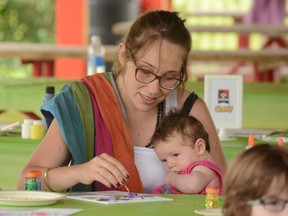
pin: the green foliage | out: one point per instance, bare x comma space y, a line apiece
24, 21
27, 20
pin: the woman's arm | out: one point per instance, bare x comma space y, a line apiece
53, 154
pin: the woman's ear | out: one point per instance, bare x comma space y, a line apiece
122, 53
200, 146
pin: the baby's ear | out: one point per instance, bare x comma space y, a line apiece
122, 53
200, 146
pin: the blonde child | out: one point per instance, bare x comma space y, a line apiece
256, 183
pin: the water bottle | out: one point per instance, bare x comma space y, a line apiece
49, 94
96, 54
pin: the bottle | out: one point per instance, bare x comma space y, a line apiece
37, 129
30, 181
49, 94
38, 175
26, 128
212, 198
96, 55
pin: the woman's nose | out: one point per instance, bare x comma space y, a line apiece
154, 86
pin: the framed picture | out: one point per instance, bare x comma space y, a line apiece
223, 95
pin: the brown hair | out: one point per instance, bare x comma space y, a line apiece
250, 176
152, 26
188, 126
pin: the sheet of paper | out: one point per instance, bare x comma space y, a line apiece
42, 212
116, 197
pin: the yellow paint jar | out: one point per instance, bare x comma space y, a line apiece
37, 129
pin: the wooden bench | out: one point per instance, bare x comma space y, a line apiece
42, 56
49, 52
121, 28
34, 51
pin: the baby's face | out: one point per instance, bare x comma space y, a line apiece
175, 154
274, 200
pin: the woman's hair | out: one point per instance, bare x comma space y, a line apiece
187, 126
251, 174
152, 26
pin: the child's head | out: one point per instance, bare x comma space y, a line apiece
179, 140
257, 175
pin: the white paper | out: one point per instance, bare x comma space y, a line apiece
116, 197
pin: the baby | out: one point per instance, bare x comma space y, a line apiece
181, 143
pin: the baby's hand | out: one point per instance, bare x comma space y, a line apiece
169, 177
166, 189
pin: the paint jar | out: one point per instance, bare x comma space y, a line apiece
26, 128
30, 181
212, 198
38, 174
37, 129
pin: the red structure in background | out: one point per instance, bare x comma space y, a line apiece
155, 4
71, 23
71, 28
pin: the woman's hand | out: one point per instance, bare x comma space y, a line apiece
104, 169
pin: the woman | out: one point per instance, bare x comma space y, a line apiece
98, 123
256, 183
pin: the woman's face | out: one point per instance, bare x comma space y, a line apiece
163, 57
272, 197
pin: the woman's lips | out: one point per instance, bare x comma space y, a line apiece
148, 100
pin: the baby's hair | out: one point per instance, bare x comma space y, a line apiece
188, 127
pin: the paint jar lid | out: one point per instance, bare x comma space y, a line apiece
212, 190
28, 121
37, 122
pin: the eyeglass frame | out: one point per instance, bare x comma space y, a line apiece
155, 76
267, 202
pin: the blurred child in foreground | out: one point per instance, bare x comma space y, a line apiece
257, 182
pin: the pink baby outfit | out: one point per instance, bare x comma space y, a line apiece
188, 170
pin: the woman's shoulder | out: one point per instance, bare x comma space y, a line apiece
183, 97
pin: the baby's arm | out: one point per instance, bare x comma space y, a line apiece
194, 182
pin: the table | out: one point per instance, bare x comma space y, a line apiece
273, 32
181, 205
42, 56
15, 152
45, 54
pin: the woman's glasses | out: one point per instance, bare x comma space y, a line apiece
168, 81
273, 205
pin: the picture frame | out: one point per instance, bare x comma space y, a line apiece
223, 95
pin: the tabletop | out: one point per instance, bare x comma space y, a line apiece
181, 205
15, 151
